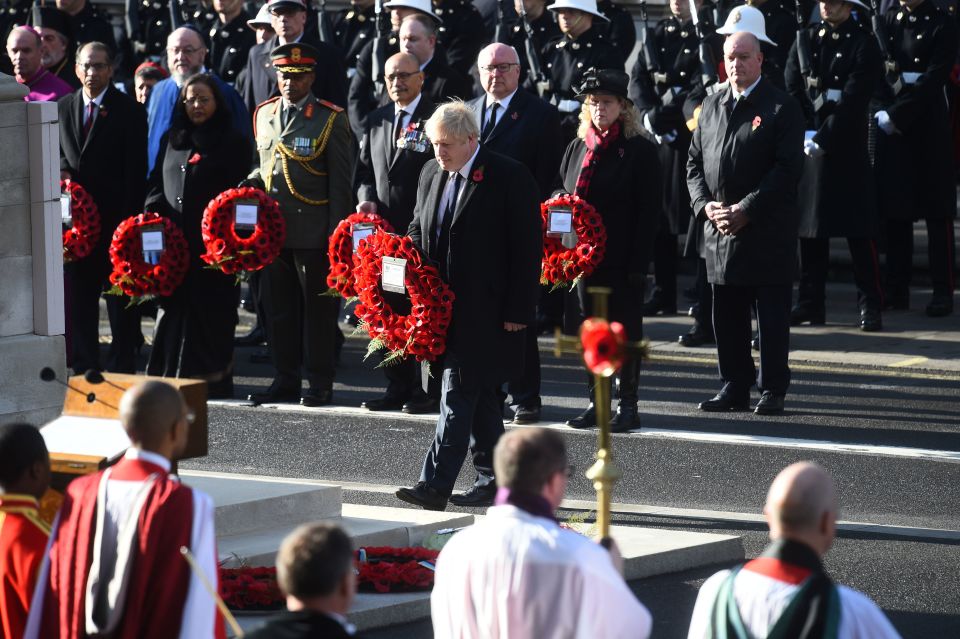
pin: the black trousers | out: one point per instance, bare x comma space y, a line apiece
732, 306
301, 322
665, 260
941, 252
814, 259
524, 389
470, 418
704, 314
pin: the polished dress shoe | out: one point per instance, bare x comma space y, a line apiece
526, 415
770, 404
387, 402
277, 393
806, 315
421, 406
940, 305
586, 419
697, 336
255, 337
423, 495
315, 397
659, 303
477, 496
723, 402
626, 419
871, 320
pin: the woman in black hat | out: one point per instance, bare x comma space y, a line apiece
614, 168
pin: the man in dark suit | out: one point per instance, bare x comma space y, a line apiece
478, 218
392, 153
745, 162
103, 147
259, 80
418, 36
527, 129
315, 572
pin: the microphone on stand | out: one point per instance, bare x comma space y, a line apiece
94, 377
47, 374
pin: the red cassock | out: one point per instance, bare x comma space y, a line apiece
133, 581
23, 538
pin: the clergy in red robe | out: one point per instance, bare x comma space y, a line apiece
114, 566
24, 477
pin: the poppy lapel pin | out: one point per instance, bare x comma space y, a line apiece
514, 115
194, 159
477, 175
756, 123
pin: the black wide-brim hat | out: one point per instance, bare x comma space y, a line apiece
609, 81
52, 18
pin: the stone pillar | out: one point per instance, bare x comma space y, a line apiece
31, 258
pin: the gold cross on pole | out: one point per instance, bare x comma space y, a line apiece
604, 472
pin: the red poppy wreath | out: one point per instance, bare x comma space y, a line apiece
84, 232
135, 277
421, 334
385, 569
228, 251
564, 266
340, 251
251, 589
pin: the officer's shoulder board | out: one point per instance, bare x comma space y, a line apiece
256, 111
331, 105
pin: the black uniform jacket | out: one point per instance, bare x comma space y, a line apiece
752, 156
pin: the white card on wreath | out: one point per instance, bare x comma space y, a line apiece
245, 214
152, 240
359, 231
66, 213
559, 221
393, 274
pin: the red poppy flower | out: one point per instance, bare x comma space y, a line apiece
194, 159
603, 343
477, 175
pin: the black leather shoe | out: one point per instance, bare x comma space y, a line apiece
255, 337
317, 397
694, 310
659, 304
526, 415
806, 315
421, 406
477, 496
696, 337
423, 495
586, 419
770, 404
940, 306
626, 419
387, 402
723, 402
276, 393
871, 320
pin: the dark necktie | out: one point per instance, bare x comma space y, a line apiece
88, 122
491, 122
443, 241
398, 125
289, 113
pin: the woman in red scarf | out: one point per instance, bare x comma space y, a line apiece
615, 169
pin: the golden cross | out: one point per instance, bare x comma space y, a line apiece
604, 472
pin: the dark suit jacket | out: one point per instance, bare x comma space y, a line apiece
301, 625
112, 163
259, 79
388, 175
754, 157
493, 262
528, 132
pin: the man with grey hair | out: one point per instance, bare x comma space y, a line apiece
517, 573
477, 217
786, 592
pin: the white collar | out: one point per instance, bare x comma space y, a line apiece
424, 65
299, 105
465, 169
410, 108
147, 456
348, 627
503, 102
746, 92
97, 100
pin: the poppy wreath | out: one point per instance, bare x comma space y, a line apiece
134, 277
421, 334
251, 589
386, 569
228, 251
562, 266
79, 240
340, 251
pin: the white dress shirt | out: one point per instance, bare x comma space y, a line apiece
448, 188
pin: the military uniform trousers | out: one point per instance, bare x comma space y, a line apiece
941, 253
814, 258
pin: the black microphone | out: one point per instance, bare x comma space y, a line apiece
47, 374
94, 377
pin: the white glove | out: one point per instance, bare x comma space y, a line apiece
885, 123
812, 149
568, 106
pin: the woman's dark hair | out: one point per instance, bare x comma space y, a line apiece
181, 129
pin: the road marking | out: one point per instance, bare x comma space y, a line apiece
913, 361
730, 439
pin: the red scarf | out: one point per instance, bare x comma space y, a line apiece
596, 142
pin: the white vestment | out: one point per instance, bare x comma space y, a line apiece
518, 576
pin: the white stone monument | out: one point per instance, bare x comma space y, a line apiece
31, 258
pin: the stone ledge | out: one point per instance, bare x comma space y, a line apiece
23, 395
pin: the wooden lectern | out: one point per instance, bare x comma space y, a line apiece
88, 437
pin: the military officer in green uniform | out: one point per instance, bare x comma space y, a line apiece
306, 162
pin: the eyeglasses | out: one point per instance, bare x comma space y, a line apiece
99, 67
182, 50
197, 101
393, 77
503, 67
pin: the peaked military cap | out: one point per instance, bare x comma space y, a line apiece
295, 57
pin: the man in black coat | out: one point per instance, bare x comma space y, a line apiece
477, 217
745, 161
87, 25
353, 28
103, 147
259, 80
544, 29
527, 129
914, 160
392, 153
841, 198
230, 40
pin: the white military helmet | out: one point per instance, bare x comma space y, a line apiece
587, 6
423, 6
747, 19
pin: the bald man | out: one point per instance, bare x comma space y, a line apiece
114, 567
786, 592
23, 49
